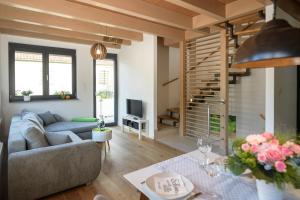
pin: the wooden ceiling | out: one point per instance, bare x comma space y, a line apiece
89, 21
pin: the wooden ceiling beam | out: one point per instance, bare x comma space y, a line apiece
14, 25
10, 13
242, 7
52, 37
265, 2
171, 43
90, 14
234, 10
291, 7
144, 10
212, 8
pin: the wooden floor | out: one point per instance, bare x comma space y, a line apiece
126, 155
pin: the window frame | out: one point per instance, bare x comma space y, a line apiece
45, 51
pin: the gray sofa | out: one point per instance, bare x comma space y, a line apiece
39, 172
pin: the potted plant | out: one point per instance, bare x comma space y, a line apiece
102, 95
65, 95
273, 162
26, 94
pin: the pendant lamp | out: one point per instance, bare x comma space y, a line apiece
276, 45
98, 51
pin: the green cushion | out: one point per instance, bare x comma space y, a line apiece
84, 119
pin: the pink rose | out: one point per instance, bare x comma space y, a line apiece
280, 166
286, 152
296, 149
255, 139
261, 157
246, 147
288, 144
267, 135
274, 155
254, 149
274, 142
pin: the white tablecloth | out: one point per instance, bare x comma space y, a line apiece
229, 187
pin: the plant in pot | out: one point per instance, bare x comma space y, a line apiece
26, 94
65, 95
102, 95
273, 162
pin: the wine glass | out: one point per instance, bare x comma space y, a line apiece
204, 147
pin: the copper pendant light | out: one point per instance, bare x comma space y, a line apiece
98, 51
276, 45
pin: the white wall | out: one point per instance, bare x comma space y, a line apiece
68, 109
270, 91
137, 78
0, 78
174, 66
162, 77
247, 102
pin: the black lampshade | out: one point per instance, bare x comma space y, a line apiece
276, 45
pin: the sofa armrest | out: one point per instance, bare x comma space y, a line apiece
39, 172
16, 143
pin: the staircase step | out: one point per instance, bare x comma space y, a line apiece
238, 72
167, 117
173, 110
210, 88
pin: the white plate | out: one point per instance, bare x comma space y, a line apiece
151, 185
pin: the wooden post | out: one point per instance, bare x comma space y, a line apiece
182, 88
224, 89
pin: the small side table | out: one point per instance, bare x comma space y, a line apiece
103, 136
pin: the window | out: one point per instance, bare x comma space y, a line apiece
46, 71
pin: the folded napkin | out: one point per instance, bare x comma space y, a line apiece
169, 185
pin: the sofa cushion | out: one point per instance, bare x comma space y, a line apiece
72, 136
56, 138
76, 127
33, 117
47, 117
33, 135
58, 117
26, 114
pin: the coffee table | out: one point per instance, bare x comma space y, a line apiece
102, 136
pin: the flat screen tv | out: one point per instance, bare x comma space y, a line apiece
135, 107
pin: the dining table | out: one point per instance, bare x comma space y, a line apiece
190, 165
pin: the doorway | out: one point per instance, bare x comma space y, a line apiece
106, 89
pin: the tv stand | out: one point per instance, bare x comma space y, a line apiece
135, 124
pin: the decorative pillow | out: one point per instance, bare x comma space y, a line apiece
48, 118
57, 138
58, 117
25, 112
33, 117
33, 135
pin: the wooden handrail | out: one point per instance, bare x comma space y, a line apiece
166, 83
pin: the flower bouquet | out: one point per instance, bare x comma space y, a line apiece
270, 159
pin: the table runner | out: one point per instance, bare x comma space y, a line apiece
226, 185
